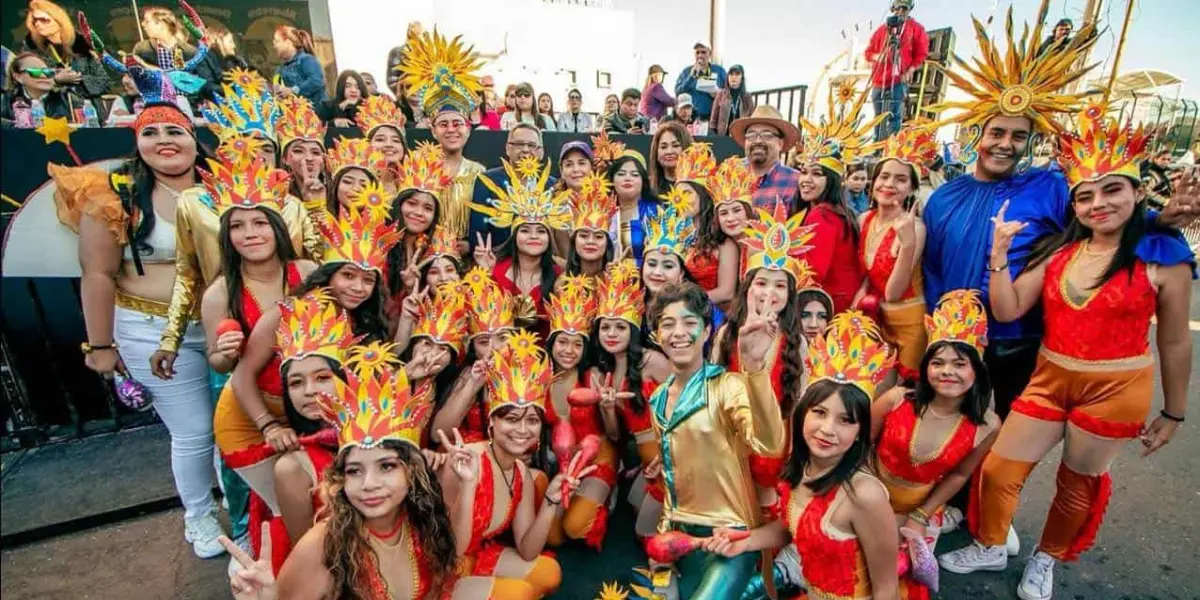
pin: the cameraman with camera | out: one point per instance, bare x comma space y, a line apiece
896, 49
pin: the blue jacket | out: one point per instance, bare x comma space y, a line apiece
702, 102
479, 222
304, 73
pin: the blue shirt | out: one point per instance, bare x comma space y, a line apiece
701, 101
647, 208
958, 241
303, 71
781, 183
479, 221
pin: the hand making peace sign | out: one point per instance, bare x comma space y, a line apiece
254, 581
754, 338
462, 460
906, 227
484, 256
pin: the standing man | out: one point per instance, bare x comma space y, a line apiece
627, 119
1156, 178
764, 135
524, 141
574, 120
702, 80
896, 49
1060, 39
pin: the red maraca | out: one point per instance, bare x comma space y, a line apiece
673, 545
583, 397
562, 442
227, 326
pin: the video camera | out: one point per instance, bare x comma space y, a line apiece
894, 22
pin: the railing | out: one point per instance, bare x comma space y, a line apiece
789, 101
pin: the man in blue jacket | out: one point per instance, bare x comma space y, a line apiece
524, 140
702, 80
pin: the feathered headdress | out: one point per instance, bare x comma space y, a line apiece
1023, 83
620, 293
959, 317
914, 145
298, 121
441, 73
379, 111
670, 230
442, 242
246, 107
526, 198
841, 136
355, 152
424, 169
573, 307
605, 151
358, 238
245, 182
696, 164
851, 350
375, 402
594, 204
490, 307
1102, 146
443, 317
778, 243
519, 374
733, 182
313, 325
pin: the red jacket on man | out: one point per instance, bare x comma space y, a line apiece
914, 49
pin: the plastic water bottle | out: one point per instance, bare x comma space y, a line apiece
138, 105
21, 114
90, 117
37, 113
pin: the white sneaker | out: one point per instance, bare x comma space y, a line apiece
951, 518
1013, 543
975, 557
1038, 581
202, 533
243, 543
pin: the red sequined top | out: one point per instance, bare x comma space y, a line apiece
899, 435
638, 422
765, 470
474, 425
482, 531
832, 567
269, 380
880, 270
705, 268
833, 243
1112, 324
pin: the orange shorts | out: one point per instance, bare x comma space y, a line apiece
1110, 400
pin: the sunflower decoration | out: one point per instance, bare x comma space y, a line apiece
841, 135
374, 200
605, 150
372, 358
677, 199
249, 80
528, 167
845, 91
240, 150
613, 591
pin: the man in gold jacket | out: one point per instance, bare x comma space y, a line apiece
709, 421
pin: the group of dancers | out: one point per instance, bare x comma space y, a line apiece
408, 407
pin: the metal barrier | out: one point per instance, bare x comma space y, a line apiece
789, 101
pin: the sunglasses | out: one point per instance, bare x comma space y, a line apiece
574, 98
37, 72
524, 95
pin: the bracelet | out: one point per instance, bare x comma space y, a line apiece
553, 503
1170, 417
919, 516
88, 348
997, 269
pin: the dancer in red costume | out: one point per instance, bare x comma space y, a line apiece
1100, 283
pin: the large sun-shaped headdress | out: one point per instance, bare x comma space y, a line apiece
733, 182
914, 145
696, 164
375, 402
841, 135
594, 204
519, 374
779, 243
1101, 146
313, 325
441, 73
379, 111
1024, 82
525, 198
424, 169
357, 237
620, 292
851, 350
959, 317
243, 179
298, 121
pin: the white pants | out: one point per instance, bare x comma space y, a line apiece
182, 402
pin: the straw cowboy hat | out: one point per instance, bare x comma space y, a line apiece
765, 115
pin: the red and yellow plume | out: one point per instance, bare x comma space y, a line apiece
573, 307
490, 307
696, 164
851, 350
355, 152
424, 169
605, 151
620, 293
379, 111
242, 178
443, 242
914, 145
356, 237
594, 204
733, 182
1101, 146
443, 317
298, 121
313, 325
959, 317
518, 374
525, 198
375, 402
841, 136
779, 243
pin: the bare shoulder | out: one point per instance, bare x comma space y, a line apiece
868, 492
306, 267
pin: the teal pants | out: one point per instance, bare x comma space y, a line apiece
237, 492
706, 576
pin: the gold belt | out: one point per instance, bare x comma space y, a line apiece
143, 305
1131, 363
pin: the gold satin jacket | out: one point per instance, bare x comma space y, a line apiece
456, 199
710, 450
198, 255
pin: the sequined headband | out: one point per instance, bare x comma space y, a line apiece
163, 114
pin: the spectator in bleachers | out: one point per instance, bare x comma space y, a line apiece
897, 48
525, 112
372, 87
574, 120
342, 110
510, 99
395, 57
6, 56
702, 80
612, 103
301, 71
485, 116
732, 102
627, 119
33, 80
1060, 39
655, 99
666, 147
684, 114
52, 37
546, 108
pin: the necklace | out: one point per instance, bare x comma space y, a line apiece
813, 477
938, 415
1087, 249
386, 535
508, 481
175, 194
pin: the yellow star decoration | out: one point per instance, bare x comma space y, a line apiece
612, 591
56, 130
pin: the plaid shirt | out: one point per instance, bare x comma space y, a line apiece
781, 181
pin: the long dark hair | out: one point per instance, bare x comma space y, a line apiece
658, 176
349, 556
834, 198
709, 236
339, 93
397, 260
299, 423
575, 264
231, 260
977, 399
424, 271
541, 453
367, 319
581, 369
858, 405
331, 200
509, 250
139, 195
1124, 258
647, 190
634, 356
294, 184
914, 176
538, 117
789, 327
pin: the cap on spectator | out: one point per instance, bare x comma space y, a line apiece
578, 145
736, 69
700, 45
683, 100
905, 3
657, 69
1064, 21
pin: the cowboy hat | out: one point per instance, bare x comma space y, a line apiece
765, 115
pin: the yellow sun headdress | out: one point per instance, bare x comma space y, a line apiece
670, 230
696, 164
375, 402
841, 136
914, 145
491, 309
379, 111
355, 152
620, 293
443, 317
1101, 146
733, 182
245, 108
424, 169
605, 151
959, 317
519, 374
525, 198
442, 73
573, 307
313, 325
853, 351
778, 243
594, 204
1022, 83
358, 238
374, 200
242, 178
298, 121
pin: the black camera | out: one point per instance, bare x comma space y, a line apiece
894, 22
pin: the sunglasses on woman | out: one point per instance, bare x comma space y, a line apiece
524, 95
38, 72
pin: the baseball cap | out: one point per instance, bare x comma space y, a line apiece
656, 69
683, 100
576, 145
700, 45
